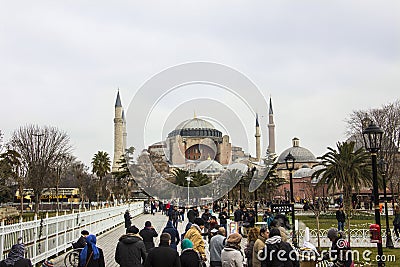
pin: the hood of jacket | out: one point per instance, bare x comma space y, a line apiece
169, 225
130, 238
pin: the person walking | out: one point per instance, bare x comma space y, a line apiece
253, 234
231, 255
148, 233
259, 245
238, 218
189, 257
130, 250
192, 214
341, 218
278, 252
163, 255
206, 216
127, 218
91, 255
217, 244
223, 218
16, 257
174, 235
194, 235
396, 220
174, 216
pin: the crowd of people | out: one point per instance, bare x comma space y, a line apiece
265, 246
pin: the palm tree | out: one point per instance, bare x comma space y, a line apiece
180, 177
101, 165
346, 170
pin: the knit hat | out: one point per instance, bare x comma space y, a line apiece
199, 221
48, 263
234, 238
85, 232
332, 233
186, 243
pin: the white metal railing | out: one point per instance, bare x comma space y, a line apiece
46, 237
358, 238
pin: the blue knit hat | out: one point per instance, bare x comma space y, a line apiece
186, 243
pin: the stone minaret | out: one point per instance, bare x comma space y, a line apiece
124, 133
258, 135
271, 129
118, 133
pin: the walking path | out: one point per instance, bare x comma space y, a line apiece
108, 241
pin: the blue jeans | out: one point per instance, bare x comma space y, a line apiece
340, 226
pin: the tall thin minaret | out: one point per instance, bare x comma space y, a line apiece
271, 129
118, 133
124, 133
258, 135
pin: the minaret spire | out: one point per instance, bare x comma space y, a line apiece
271, 129
258, 137
119, 129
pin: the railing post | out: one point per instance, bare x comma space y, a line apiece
46, 245
2, 236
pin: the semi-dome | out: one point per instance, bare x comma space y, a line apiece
304, 171
195, 127
301, 154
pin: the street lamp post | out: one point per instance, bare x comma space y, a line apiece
372, 136
188, 179
289, 160
383, 168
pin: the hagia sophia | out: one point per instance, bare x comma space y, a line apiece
197, 145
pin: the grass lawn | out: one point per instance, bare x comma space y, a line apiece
358, 221
392, 256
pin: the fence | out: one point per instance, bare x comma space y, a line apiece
46, 237
359, 238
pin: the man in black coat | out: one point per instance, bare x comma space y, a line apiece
163, 255
341, 218
147, 234
127, 218
130, 251
192, 214
223, 218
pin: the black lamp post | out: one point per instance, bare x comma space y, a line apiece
372, 139
383, 168
289, 160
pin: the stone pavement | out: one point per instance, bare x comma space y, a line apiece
108, 240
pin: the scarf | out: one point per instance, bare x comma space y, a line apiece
90, 241
16, 253
274, 240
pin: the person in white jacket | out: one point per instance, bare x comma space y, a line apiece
231, 255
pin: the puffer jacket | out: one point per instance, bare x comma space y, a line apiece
130, 251
287, 256
194, 235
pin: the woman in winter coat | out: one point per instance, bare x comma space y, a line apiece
189, 257
231, 255
259, 245
253, 234
171, 230
91, 255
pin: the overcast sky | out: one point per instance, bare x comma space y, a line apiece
61, 63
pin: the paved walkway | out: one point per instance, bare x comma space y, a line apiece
108, 241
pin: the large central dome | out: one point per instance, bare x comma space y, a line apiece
195, 123
195, 128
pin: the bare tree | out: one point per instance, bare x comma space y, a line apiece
388, 118
41, 148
